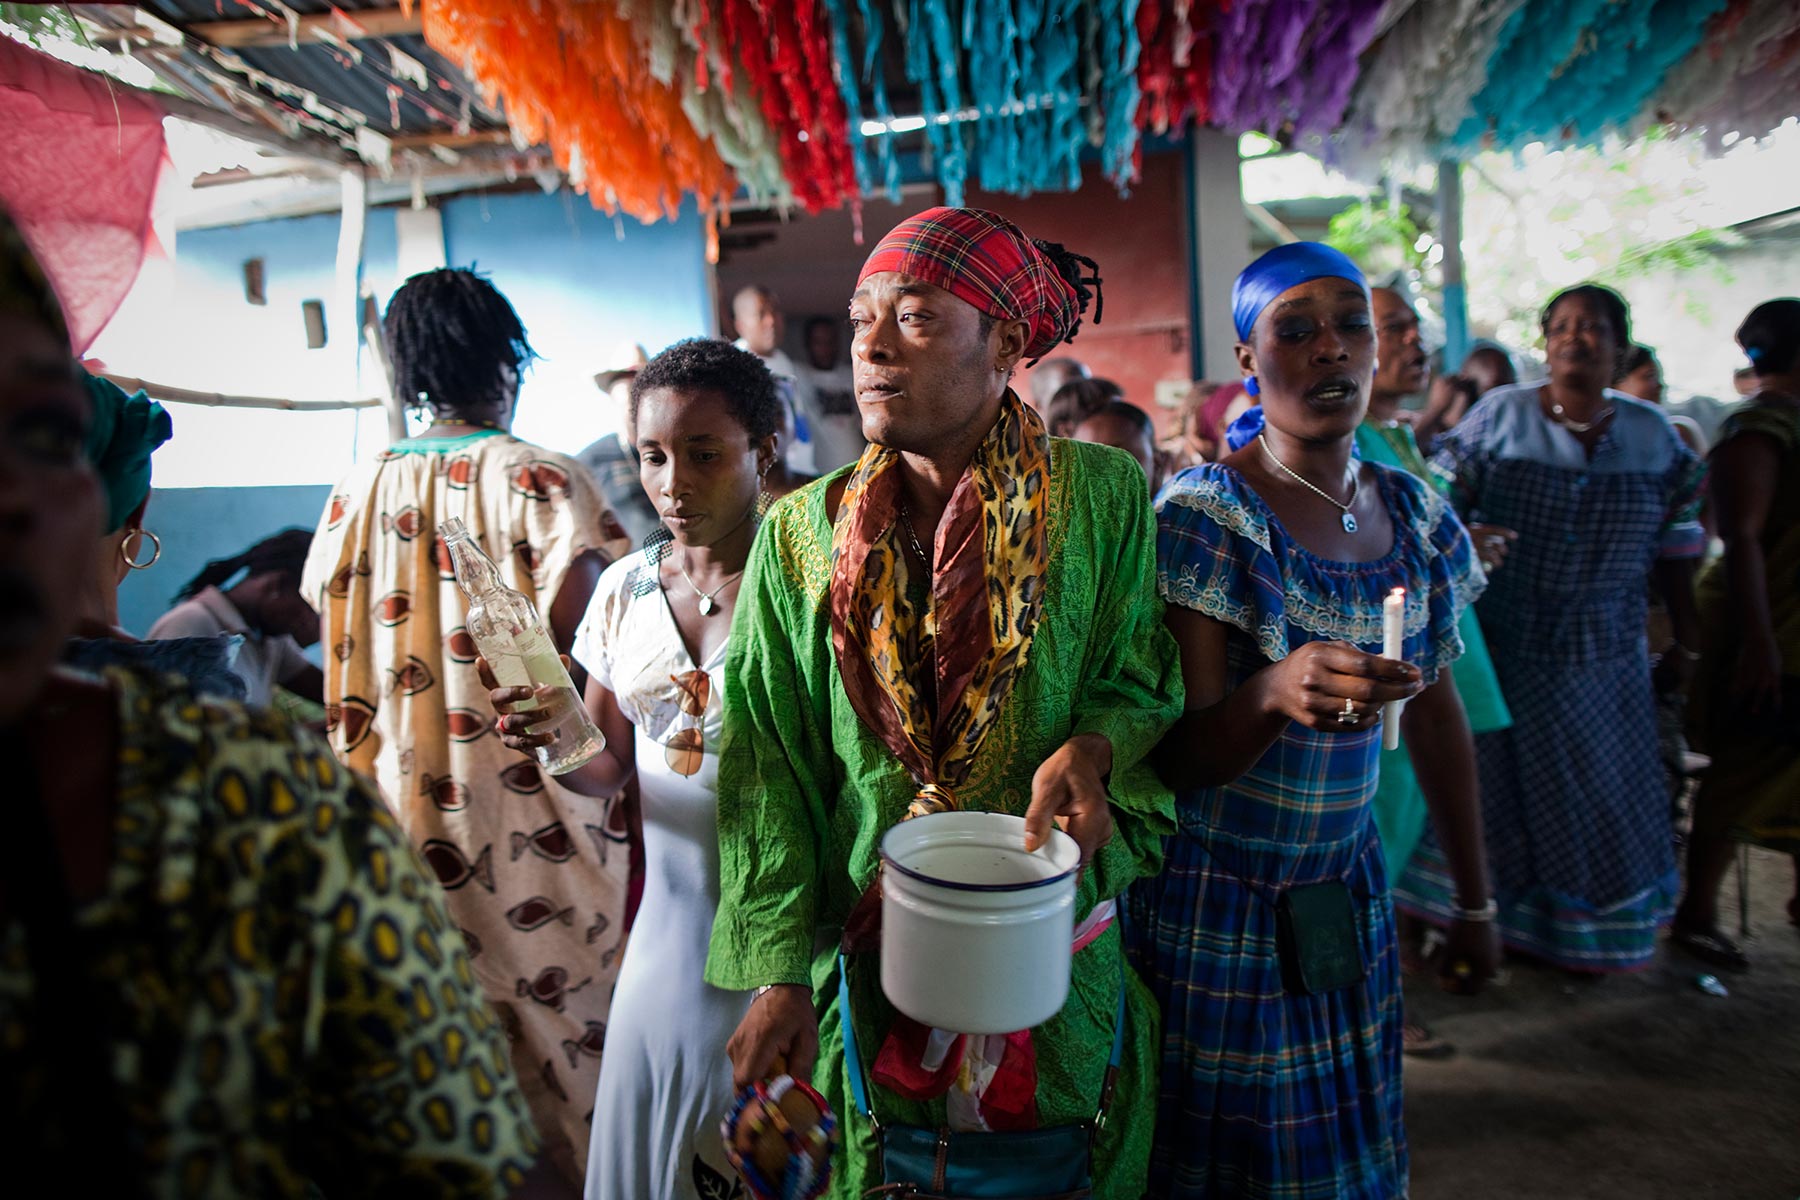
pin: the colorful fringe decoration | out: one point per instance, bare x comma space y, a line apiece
1175, 53
1569, 69
1417, 82
786, 102
1742, 79
1291, 63
574, 76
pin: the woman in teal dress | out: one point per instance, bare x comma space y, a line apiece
1399, 803
1403, 369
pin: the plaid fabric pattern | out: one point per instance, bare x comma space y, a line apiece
1267, 1095
982, 258
1577, 819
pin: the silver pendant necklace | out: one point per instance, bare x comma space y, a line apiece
708, 606
1348, 517
1574, 426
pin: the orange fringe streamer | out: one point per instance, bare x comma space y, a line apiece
572, 75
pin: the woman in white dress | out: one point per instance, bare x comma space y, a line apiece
653, 642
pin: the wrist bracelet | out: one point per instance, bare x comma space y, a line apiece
1476, 916
763, 990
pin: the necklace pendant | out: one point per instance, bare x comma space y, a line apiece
1349, 523
707, 606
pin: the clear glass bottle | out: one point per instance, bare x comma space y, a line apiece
518, 647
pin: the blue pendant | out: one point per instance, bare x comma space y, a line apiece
1349, 523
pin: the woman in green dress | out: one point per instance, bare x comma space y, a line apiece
1384, 438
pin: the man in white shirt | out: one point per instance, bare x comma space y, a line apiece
756, 312
837, 435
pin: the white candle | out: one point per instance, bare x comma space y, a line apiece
1393, 634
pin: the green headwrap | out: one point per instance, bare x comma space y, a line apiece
125, 430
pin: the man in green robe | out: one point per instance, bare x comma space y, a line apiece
965, 618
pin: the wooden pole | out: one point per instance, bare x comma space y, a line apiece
353, 223
376, 337
175, 395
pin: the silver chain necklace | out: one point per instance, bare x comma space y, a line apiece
1348, 517
911, 536
708, 605
1574, 426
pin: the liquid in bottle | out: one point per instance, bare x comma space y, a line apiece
518, 647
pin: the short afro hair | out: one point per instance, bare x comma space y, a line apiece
709, 365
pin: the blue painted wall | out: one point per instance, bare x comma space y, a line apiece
584, 285
197, 525
587, 288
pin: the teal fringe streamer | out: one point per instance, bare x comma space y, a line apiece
1565, 70
932, 62
874, 29
845, 72
1023, 66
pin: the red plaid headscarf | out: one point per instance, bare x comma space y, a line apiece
982, 258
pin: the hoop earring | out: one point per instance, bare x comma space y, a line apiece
130, 555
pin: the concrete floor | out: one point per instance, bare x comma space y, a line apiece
1638, 1087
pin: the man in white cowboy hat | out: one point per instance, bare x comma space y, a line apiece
611, 460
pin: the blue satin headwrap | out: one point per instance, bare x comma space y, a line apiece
1280, 269
1249, 426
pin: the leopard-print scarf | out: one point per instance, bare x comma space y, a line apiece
931, 683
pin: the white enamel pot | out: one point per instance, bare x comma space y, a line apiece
975, 932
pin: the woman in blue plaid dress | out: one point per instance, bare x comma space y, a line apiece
1605, 497
1283, 1083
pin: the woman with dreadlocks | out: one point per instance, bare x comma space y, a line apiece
535, 875
888, 659
264, 607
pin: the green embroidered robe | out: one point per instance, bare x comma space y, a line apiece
806, 791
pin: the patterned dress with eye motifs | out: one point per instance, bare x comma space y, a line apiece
535, 875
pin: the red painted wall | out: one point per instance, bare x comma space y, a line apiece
1140, 242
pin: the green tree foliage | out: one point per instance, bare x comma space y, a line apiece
41, 24
1381, 238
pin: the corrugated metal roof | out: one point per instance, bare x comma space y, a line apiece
370, 81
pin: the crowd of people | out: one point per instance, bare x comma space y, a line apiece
804, 605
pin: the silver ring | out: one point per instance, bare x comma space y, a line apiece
1487, 565
1349, 716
